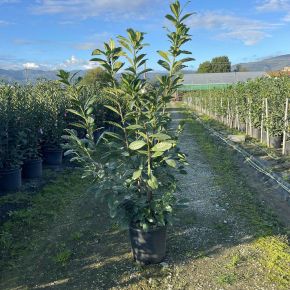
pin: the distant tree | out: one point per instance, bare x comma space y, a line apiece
216, 65
205, 67
95, 75
240, 68
221, 64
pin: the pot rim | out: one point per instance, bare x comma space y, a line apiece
52, 150
29, 161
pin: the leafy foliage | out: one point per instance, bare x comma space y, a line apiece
133, 166
246, 101
11, 131
216, 65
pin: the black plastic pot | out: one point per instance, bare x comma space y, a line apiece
256, 133
52, 156
276, 142
10, 180
32, 169
148, 247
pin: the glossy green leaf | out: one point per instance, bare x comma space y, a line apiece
162, 146
137, 174
136, 145
171, 162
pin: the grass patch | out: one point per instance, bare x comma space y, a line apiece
19, 234
275, 257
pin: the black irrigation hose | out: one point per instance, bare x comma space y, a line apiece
251, 160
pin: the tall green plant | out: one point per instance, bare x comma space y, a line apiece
11, 130
134, 166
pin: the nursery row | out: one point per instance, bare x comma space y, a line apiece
32, 123
258, 107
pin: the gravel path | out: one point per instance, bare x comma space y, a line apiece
199, 187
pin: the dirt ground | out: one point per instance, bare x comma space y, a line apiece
225, 239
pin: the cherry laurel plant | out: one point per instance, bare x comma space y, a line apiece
133, 166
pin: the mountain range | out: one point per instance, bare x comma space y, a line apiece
268, 64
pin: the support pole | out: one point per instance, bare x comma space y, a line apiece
267, 120
262, 120
285, 126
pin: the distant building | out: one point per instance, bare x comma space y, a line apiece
206, 81
286, 68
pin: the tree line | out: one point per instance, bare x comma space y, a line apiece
218, 64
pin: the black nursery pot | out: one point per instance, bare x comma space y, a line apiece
276, 142
148, 247
256, 133
52, 156
287, 147
32, 169
10, 180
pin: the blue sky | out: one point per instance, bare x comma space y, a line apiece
54, 34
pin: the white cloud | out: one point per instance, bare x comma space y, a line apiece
273, 5
91, 8
276, 6
4, 23
30, 65
74, 63
247, 30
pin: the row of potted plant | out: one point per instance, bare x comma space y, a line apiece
32, 119
256, 106
32, 122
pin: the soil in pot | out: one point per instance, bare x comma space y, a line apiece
32, 168
256, 133
148, 247
276, 142
52, 156
10, 180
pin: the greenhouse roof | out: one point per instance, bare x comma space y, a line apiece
220, 78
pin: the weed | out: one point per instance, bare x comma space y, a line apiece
235, 260
76, 236
63, 257
227, 279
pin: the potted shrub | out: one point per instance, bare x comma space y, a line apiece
10, 141
254, 105
54, 103
277, 93
133, 167
32, 161
30, 116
